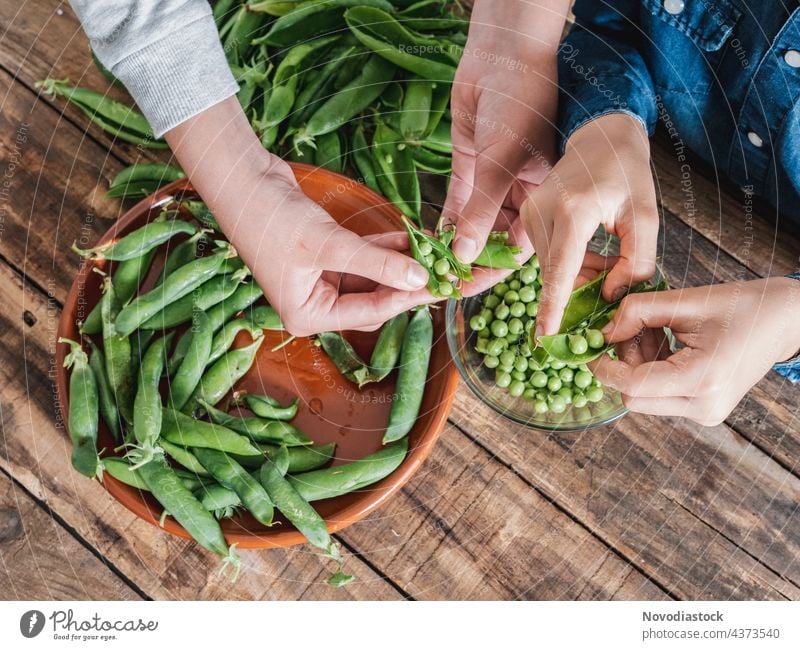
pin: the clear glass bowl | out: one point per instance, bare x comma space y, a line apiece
480, 380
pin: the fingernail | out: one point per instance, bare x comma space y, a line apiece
466, 249
417, 277
620, 293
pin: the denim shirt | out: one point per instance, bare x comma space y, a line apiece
724, 73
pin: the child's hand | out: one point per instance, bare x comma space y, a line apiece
297, 252
733, 334
504, 101
603, 179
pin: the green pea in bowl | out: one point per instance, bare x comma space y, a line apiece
510, 378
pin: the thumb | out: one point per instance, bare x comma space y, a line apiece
491, 183
638, 241
647, 310
346, 252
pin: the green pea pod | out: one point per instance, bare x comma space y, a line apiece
147, 404
416, 108
83, 410
220, 378
140, 241
142, 179
127, 474
266, 318
440, 247
108, 406
296, 509
140, 340
341, 353
341, 479
312, 19
206, 296
117, 349
194, 363
234, 477
218, 499
181, 283
260, 430
181, 254
269, 408
223, 9
185, 431
412, 375
179, 502
583, 302
497, 254
357, 95
396, 161
329, 153
298, 459
558, 347
200, 211
244, 27
393, 96
183, 457
386, 352
113, 117
432, 161
244, 296
275, 7
384, 35
360, 155
440, 99
127, 277
318, 84
287, 76
439, 139
225, 337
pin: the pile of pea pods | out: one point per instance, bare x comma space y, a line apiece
200, 458
359, 86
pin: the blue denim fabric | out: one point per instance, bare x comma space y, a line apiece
714, 70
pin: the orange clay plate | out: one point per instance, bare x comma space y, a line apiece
331, 408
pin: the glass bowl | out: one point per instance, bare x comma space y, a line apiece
480, 380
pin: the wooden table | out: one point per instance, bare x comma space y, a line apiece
644, 509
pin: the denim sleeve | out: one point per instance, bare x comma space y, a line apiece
791, 368
600, 68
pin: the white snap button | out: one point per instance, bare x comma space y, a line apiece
792, 57
755, 139
674, 6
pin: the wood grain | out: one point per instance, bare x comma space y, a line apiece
467, 527
41, 560
45, 39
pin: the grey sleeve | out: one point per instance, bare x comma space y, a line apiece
167, 53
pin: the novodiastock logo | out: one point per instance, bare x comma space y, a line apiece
31, 623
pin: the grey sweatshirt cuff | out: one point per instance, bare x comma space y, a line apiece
179, 75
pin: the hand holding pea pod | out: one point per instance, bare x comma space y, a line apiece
608, 189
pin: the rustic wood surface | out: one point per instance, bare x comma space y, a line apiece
643, 509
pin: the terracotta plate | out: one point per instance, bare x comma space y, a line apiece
332, 409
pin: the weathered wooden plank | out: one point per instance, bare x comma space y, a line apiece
36, 453
746, 233
467, 527
769, 414
45, 39
41, 560
640, 486
53, 174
